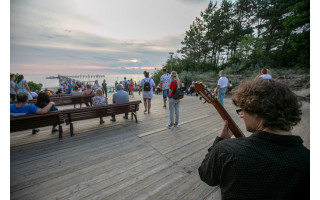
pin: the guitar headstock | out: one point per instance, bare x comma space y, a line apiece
204, 92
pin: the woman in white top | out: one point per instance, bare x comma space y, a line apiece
147, 84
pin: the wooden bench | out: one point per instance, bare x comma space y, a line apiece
66, 100
71, 115
31, 121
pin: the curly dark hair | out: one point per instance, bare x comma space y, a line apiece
271, 100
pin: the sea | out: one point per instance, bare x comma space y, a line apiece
53, 84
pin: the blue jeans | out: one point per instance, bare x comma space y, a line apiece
221, 92
174, 105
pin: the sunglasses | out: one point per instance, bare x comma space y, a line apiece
239, 111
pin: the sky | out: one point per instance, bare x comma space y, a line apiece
97, 36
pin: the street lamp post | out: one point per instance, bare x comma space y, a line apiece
171, 53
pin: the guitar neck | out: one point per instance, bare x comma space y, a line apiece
225, 116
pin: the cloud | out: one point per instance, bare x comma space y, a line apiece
194, 1
74, 36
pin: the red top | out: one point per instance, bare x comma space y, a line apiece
130, 87
173, 87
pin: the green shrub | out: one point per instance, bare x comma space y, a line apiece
34, 86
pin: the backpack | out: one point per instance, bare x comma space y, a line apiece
179, 93
126, 85
146, 86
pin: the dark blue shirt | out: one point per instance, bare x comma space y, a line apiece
262, 166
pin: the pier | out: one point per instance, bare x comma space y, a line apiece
123, 159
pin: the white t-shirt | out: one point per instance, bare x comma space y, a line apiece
266, 76
166, 80
223, 82
147, 94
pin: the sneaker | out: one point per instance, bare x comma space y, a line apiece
54, 131
125, 117
113, 119
169, 126
176, 125
164, 106
35, 131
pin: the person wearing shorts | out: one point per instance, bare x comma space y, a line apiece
165, 81
147, 95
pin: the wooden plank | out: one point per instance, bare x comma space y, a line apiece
111, 161
162, 129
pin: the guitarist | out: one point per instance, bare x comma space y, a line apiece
271, 163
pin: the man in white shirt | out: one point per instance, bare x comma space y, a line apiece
165, 81
221, 89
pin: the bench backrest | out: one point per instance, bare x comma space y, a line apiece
97, 111
65, 100
30, 121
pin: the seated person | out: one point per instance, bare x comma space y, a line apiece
120, 97
42, 101
99, 99
47, 91
76, 92
34, 94
88, 92
22, 107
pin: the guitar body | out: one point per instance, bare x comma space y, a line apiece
212, 99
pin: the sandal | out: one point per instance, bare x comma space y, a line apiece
54, 131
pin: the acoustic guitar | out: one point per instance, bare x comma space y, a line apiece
207, 95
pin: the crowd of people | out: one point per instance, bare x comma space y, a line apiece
168, 85
270, 164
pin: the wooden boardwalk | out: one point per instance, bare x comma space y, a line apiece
124, 159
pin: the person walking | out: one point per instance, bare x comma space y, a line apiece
104, 87
222, 87
146, 85
131, 88
174, 104
125, 84
22, 86
165, 81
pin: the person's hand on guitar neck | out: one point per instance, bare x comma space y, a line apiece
225, 133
